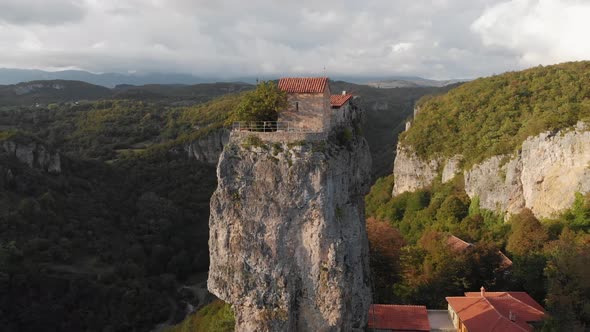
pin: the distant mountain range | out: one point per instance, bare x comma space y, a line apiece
14, 76
111, 80
56, 91
412, 82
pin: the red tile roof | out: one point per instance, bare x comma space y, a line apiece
303, 84
497, 311
398, 317
457, 244
339, 100
505, 262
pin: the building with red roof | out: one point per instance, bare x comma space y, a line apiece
311, 106
458, 245
393, 317
337, 101
494, 311
308, 101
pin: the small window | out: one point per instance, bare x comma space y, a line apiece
297, 106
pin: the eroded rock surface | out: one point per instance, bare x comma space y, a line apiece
411, 172
543, 176
288, 246
33, 154
208, 148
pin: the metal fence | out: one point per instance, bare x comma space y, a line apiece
269, 126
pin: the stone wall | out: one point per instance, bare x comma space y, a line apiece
312, 112
278, 136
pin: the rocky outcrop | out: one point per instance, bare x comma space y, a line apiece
208, 148
497, 184
33, 154
452, 168
411, 172
544, 176
288, 246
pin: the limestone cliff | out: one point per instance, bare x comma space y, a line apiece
543, 176
411, 172
288, 246
34, 154
208, 148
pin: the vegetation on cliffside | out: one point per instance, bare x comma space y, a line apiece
494, 115
214, 317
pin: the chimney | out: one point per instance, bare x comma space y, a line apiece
512, 316
343, 92
483, 291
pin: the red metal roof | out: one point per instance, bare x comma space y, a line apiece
339, 100
303, 84
398, 317
497, 311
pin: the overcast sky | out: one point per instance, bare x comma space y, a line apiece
228, 38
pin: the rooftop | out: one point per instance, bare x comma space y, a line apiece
497, 311
303, 84
398, 317
339, 100
457, 244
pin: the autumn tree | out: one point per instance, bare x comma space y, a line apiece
525, 242
527, 234
385, 243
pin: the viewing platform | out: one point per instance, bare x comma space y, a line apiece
275, 131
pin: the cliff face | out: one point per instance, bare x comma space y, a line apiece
411, 172
208, 148
543, 176
33, 154
288, 246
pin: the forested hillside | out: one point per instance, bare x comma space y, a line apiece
494, 115
415, 256
108, 242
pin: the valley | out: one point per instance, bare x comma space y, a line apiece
124, 220
107, 201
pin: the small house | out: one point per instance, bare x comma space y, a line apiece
494, 311
308, 100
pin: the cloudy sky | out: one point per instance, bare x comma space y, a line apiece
228, 38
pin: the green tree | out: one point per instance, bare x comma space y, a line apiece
567, 274
262, 104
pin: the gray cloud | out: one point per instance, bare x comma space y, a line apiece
438, 38
52, 12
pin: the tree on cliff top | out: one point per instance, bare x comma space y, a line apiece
262, 104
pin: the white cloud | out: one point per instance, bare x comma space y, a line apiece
438, 39
539, 31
